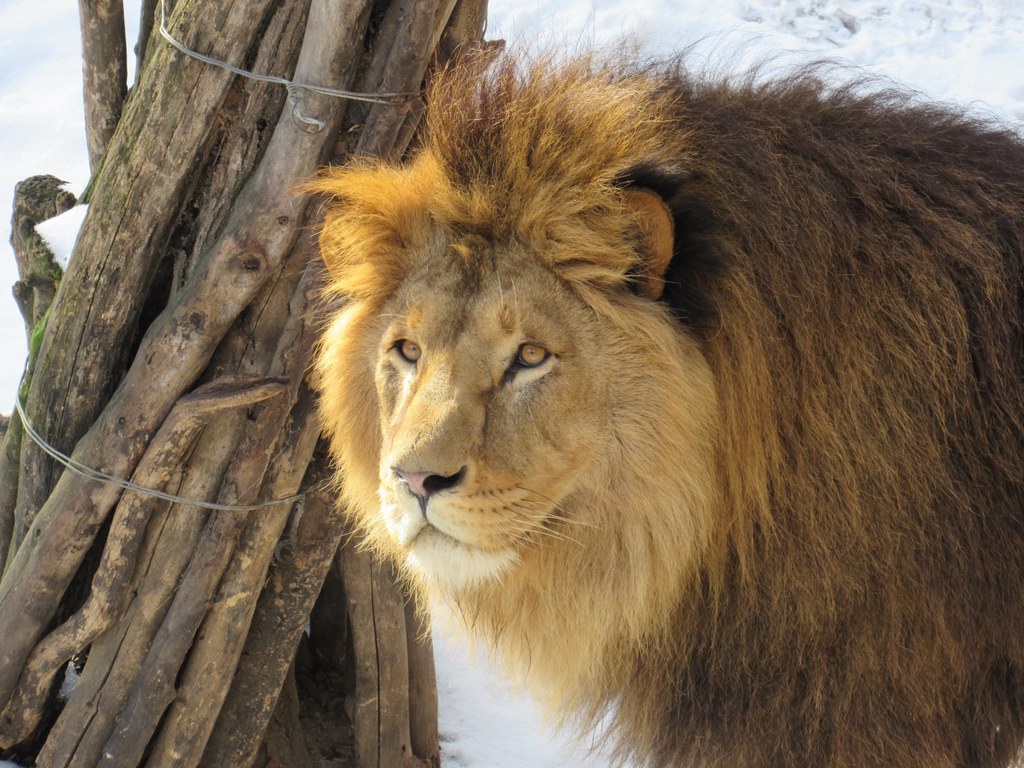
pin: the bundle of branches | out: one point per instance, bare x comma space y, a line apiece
173, 356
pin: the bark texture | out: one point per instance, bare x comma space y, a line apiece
35, 200
104, 71
173, 353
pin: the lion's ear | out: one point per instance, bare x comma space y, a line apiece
656, 227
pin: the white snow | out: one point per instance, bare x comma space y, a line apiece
968, 51
67, 686
486, 721
60, 233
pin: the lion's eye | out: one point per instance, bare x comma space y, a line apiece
409, 351
530, 356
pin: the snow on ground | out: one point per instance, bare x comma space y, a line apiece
486, 721
968, 51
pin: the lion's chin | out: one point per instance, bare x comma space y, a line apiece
454, 565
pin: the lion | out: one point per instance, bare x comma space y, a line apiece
701, 401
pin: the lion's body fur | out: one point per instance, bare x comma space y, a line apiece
803, 543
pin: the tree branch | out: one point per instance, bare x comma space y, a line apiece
146, 173
279, 622
214, 655
104, 71
147, 23
110, 584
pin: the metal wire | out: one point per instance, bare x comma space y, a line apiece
295, 97
94, 474
294, 89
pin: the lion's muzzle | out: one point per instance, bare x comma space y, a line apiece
423, 485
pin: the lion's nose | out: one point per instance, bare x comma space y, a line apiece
424, 484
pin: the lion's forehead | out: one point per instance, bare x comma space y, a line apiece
454, 300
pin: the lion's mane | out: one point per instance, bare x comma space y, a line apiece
849, 262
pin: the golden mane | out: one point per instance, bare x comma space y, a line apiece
518, 154
846, 309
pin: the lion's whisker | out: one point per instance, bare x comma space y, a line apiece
555, 506
544, 530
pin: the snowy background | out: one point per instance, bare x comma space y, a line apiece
965, 51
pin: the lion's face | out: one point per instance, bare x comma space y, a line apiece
507, 398
492, 391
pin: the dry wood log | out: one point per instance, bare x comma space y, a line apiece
173, 353
422, 686
278, 624
147, 24
411, 29
213, 657
282, 167
156, 685
104, 71
110, 584
36, 199
88, 339
465, 30
88, 718
195, 643
267, 210
234, 744
383, 723
285, 743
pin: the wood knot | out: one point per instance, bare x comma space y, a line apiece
252, 262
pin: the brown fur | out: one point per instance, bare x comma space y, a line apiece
777, 517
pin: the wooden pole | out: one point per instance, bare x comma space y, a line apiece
175, 353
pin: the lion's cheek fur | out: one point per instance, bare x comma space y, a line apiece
348, 400
566, 612
570, 615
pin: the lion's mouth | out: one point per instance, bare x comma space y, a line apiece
429, 529
454, 539
435, 534
454, 563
